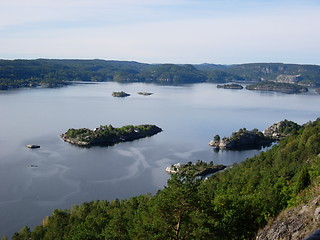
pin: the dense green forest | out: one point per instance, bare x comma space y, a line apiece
232, 204
55, 72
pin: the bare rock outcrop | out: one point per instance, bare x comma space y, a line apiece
281, 129
295, 223
284, 78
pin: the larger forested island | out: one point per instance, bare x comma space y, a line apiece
108, 135
277, 87
58, 72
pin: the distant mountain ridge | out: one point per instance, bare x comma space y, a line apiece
57, 72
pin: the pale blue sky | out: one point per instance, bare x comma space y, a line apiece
161, 31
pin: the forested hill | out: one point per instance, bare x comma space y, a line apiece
233, 204
55, 72
290, 73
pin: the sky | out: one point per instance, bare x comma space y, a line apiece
162, 31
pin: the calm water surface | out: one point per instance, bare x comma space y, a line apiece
63, 175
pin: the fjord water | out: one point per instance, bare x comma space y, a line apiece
34, 182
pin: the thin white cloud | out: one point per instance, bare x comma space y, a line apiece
151, 31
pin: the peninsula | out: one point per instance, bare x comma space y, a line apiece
277, 87
199, 169
108, 135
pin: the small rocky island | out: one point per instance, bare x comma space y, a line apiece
254, 139
108, 135
200, 168
32, 146
120, 94
145, 93
277, 87
230, 86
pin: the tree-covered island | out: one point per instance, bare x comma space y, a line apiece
120, 94
244, 139
108, 135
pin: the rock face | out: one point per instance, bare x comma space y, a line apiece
242, 140
173, 168
108, 135
284, 78
295, 223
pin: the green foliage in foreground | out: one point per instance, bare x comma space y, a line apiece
232, 204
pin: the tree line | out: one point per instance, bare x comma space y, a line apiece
55, 72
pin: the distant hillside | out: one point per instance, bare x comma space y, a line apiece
58, 72
308, 75
211, 67
174, 74
55, 72
290, 73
